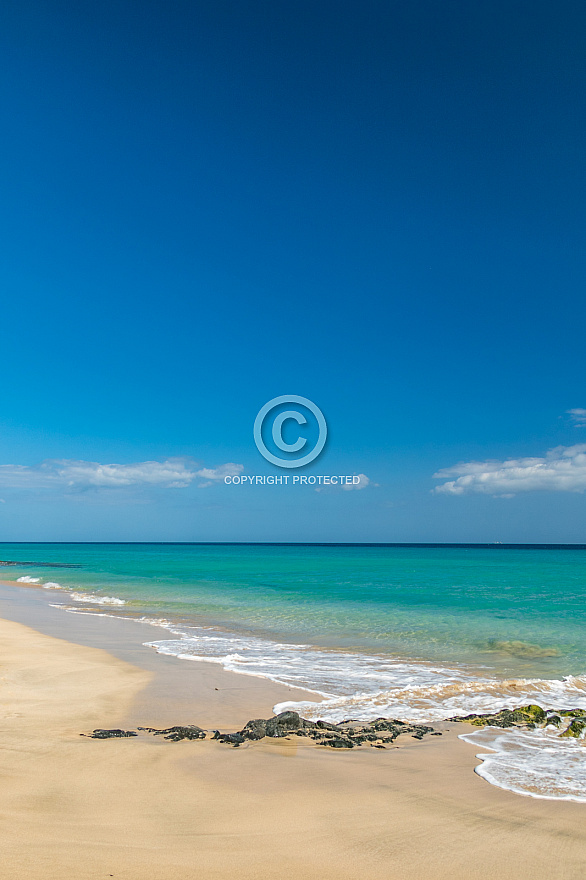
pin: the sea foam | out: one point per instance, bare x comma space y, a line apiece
534, 763
96, 600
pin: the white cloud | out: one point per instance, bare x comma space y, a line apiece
212, 475
578, 416
364, 482
225, 470
173, 473
563, 469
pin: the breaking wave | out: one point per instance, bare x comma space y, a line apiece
96, 600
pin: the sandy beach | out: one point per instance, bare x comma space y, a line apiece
143, 807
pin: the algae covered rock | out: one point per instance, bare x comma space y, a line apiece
524, 716
576, 729
530, 717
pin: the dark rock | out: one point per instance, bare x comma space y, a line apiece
256, 729
277, 727
233, 739
176, 734
336, 742
323, 725
281, 725
116, 733
420, 730
387, 724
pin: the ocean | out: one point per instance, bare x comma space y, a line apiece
420, 633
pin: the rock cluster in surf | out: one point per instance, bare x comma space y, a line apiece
345, 735
531, 717
379, 733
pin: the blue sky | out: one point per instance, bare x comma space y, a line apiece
378, 206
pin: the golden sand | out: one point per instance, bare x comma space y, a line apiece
77, 808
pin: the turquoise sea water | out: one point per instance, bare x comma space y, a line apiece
519, 611
410, 632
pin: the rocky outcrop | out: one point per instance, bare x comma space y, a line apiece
347, 735
524, 716
380, 733
531, 717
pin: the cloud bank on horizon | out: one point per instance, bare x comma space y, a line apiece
173, 473
562, 469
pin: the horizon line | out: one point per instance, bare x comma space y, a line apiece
479, 545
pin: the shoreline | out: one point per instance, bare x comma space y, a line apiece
141, 807
226, 695
217, 696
